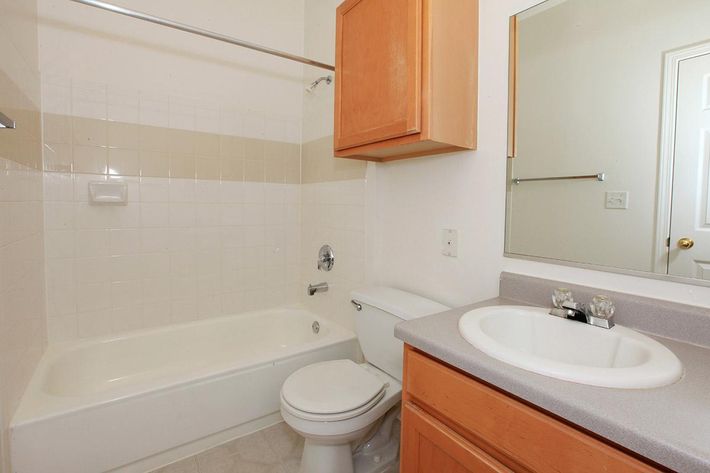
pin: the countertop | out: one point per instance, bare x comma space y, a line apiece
669, 425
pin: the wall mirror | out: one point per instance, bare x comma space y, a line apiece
609, 136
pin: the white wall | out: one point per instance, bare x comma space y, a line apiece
416, 199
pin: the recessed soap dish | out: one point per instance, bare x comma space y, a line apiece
108, 192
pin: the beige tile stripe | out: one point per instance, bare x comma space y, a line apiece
23, 144
85, 145
319, 165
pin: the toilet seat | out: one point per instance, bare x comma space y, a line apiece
331, 417
331, 391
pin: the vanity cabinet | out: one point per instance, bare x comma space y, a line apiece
406, 78
452, 422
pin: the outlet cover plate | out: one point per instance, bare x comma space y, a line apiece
617, 200
450, 242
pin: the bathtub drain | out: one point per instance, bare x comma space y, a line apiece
315, 327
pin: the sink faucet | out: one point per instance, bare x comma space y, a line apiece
599, 312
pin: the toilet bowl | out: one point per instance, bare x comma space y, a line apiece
347, 411
354, 398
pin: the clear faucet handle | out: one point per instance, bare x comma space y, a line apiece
560, 296
602, 307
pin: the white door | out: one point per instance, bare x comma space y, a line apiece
689, 253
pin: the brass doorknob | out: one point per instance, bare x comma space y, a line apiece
685, 243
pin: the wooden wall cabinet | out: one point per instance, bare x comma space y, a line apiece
406, 78
453, 423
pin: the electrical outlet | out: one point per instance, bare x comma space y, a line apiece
617, 200
450, 242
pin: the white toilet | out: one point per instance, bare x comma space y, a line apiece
346, 411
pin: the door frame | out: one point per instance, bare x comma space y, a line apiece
667, 137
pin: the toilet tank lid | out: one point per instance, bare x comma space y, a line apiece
402, 304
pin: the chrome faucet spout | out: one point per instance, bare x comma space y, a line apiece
598, 313
314, 288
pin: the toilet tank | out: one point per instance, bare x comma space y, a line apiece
382, 309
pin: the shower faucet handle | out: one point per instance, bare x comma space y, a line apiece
326, 258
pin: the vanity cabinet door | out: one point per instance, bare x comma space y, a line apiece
514, 433
428, 446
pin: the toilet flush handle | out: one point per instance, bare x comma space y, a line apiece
357, 305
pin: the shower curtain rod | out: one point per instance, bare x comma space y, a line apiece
201, 32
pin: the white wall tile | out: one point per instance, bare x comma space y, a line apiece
333, 213
182, 190
127, 294
154, 109
59, 216
231, 122
89, 100
232, 191
58, 187
125, 267
123, 105
62, 328
92, 296
180, 250
125, 241
156, 314
207, 119
254, 214
209, 191
59, 243
94, 323
155, 215
154, 189
92, 242
125, 319
182, 214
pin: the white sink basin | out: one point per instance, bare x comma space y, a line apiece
531, 339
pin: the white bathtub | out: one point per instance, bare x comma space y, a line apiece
135, 402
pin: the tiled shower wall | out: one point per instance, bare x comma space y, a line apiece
22, 310
207, 136
334, 212
212, 224
335, 192
216, 192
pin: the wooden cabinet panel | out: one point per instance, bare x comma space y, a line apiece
428, 446
406, 78
378, 71
506, 428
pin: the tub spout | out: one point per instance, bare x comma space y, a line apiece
320, 287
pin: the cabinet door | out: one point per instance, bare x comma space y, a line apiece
518, 432
428, 446
378, 71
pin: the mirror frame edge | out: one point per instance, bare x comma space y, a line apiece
512, 84
609, 269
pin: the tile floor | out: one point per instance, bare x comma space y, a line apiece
276, 449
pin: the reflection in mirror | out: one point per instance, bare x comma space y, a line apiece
620, 88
